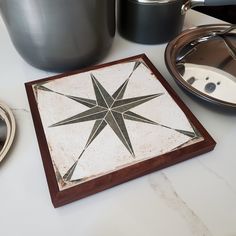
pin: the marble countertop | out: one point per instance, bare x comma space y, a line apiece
195, 197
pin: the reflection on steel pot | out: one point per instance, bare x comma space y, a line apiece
60, 35
156, 21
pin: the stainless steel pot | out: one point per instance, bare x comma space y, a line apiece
156, 21
60, 35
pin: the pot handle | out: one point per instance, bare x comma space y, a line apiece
219, 2
194, 3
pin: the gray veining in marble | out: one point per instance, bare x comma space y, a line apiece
162, 186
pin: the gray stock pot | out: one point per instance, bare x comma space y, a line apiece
60, 35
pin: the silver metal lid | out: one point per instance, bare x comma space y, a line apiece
203, 61
7, 129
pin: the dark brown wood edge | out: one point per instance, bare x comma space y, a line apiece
60, 198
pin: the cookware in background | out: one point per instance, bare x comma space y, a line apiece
7, 129
60, 35
156, 21
202, 60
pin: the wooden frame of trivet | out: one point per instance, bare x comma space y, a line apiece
75, 190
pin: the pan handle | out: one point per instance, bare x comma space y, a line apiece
194, 3
219, 2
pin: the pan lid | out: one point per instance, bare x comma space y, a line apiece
7, 129
202, 60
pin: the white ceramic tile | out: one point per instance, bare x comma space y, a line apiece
109, 151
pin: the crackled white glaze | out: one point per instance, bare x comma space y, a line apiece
106, 152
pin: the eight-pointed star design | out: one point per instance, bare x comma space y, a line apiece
109, 110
